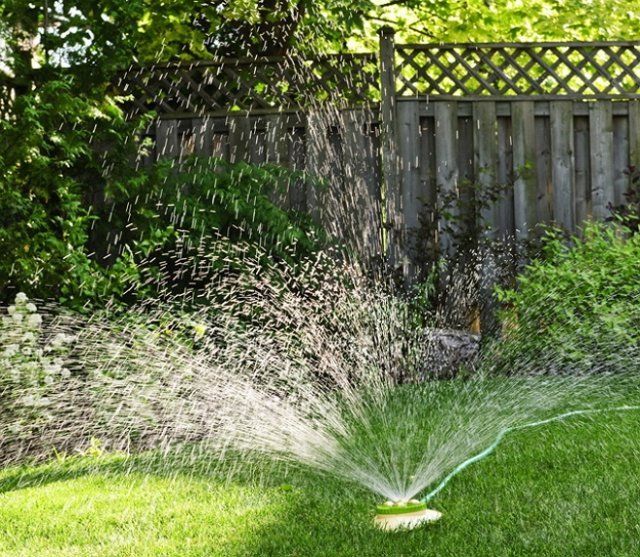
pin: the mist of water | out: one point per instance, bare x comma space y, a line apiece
309, 368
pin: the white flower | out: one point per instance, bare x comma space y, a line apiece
58, 340
48, 380
31, 307
17, 317
7, 321
10, 350
21, 298
11, 310
34, 320
28, 400
28, 337
65, 373
51, 368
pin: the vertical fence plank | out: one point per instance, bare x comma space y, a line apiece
167, 143
601, 141
257, 142
428, 183
362, 190
485, 144
466, 174
297, 158
389, 138
335, 168
543, 169
525, 186
634, 132
239, 137
316, 162
562, 163
505, 179
276, 149
447, 172
620, 158
582, 169
203, 129
408, 128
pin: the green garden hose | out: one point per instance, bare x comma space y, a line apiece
500, 436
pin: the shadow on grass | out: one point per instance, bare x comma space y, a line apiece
190, 461
298, 512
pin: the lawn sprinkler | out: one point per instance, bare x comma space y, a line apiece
404, 515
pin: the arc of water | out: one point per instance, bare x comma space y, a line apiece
486, 452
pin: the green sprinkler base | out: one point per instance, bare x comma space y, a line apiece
404, 515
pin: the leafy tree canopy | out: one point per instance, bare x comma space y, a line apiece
115, 32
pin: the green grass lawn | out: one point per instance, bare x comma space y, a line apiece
566, 489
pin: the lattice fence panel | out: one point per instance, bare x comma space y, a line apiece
606, 69
250, 84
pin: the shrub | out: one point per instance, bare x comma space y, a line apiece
182, 224
579, 304
80, 223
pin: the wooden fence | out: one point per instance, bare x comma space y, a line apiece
552, 126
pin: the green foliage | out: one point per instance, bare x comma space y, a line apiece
177, 224
79, 221
158, 231
628, 213
49, 168
113, 33
581, 300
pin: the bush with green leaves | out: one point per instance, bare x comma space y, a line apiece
52, 165
578, 304
183, 223
81, 223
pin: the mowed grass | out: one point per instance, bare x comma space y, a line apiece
569, 488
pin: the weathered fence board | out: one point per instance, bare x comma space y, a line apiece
408, 121
485, 143
524, 167
634, 132
543, 169
620, 158
504, 179
362, 181
447, 171
562, 163
582, 158
601, 141
549, 161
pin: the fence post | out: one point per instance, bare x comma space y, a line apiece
389, 143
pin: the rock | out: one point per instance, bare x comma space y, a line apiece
449, 350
